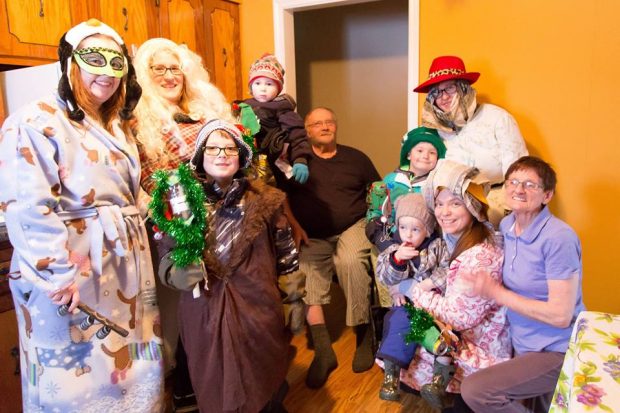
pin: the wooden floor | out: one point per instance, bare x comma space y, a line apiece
344, 391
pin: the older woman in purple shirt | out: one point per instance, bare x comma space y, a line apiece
542, 292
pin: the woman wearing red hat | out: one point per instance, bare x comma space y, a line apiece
480, 135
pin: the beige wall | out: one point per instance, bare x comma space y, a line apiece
353, 59
553, 64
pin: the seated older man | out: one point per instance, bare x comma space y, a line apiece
331, 208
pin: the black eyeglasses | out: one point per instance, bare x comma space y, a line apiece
216, 150
161, 70
448, 90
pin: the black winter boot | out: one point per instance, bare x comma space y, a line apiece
391, 382
364, 357
324, 357
183, 397
435, 391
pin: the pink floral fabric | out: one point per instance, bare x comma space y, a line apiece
481, 323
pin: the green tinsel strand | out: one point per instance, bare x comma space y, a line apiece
249, 139
419, 322
189, 236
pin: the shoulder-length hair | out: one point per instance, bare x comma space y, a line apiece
200, 99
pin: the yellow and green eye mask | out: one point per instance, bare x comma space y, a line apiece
101, 61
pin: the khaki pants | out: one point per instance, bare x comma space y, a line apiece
348, 256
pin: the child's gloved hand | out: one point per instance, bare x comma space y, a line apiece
301, 172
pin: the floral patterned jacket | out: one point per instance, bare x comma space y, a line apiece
481, 323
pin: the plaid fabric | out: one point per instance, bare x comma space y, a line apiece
177, 150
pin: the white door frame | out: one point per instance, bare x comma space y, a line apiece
284, 39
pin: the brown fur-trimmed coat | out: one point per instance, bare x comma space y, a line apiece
234, 333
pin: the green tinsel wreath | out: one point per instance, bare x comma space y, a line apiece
189, 235
419, 322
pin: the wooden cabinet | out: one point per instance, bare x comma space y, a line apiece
222, 38
10, 384
30, 29
182, 21
211, 29
135, 20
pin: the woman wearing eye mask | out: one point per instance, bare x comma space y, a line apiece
71, 180
476, 134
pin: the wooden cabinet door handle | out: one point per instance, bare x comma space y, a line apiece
225, 56
41, 14
125, 13
15, 355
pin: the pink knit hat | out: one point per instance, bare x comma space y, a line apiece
267, 66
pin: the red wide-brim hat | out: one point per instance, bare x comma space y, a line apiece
446, 68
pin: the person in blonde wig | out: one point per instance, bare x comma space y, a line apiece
177, 100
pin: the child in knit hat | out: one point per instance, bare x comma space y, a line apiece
419, 260
282, 136
421, 149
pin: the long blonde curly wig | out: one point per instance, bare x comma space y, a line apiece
200, 99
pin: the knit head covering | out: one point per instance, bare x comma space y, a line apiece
417, 135
245, 153
68, 43
267, 66
463, 182
413, 205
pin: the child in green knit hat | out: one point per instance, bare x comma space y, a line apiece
421, 149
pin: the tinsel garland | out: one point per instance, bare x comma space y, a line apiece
189, 235
419, 322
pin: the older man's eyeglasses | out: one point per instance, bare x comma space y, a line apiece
216, 150
160, 70
527, 185
322, 123
448, 90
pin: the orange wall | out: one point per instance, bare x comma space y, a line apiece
553, 64
256, 33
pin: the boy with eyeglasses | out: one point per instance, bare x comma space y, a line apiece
282, 137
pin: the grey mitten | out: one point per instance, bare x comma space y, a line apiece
184, 279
